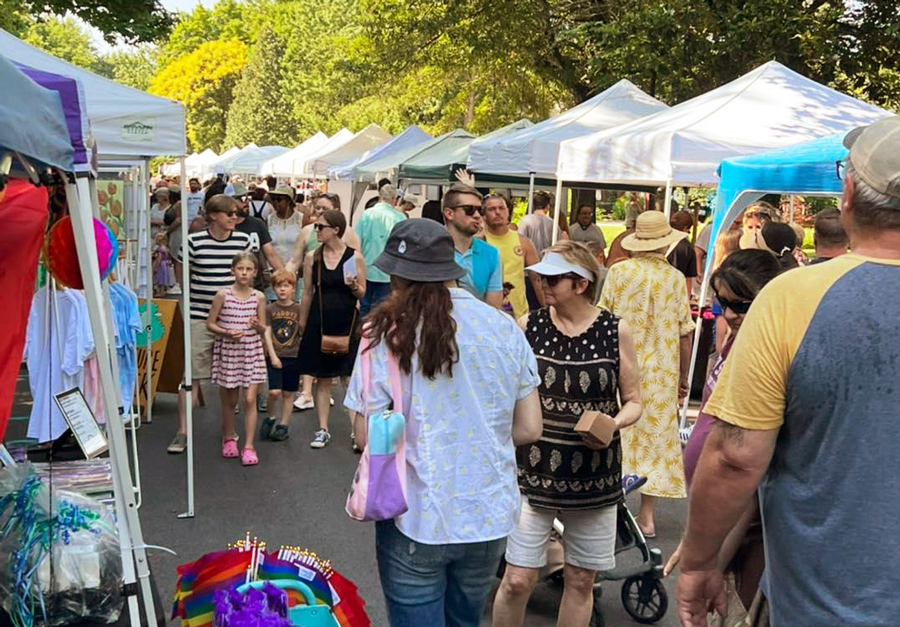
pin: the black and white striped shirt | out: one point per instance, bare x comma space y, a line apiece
210, 267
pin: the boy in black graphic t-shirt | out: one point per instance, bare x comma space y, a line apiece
282, 344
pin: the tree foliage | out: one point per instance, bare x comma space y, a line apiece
203, 80
128, 21
259, 112
63, 38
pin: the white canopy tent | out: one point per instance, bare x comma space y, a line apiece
250, 161
366, 139
534, 150
768, 108
283, 165
127, 122
225, 161
298, 167
382, 158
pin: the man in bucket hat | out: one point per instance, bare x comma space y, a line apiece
468, 379
807, 410
648, 293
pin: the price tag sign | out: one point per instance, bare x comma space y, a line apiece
82, 422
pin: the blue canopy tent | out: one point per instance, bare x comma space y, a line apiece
809, 168
34, 124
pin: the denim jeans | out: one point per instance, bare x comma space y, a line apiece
434, 585
375, 293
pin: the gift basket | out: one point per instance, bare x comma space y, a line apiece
60, 561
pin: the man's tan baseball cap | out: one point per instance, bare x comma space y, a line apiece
875, 154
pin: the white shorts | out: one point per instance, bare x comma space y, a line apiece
589, 539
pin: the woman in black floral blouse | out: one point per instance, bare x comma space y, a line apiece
586, 360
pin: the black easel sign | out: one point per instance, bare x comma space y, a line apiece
82, 422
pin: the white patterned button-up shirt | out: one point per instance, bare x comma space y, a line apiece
461, 464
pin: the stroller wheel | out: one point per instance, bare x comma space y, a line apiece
645, 598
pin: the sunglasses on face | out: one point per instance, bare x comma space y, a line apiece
554, 279
319, 227
739, 307
230, 214
471, 210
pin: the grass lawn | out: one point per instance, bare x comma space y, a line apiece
611, 230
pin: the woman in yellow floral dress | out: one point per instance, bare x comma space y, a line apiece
649, 294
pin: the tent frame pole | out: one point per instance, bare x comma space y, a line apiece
134, 557
187, 382
695, 347
530, 192
556, 207
668, 198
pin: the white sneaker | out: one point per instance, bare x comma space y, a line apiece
174, 291
303, 402
321, 439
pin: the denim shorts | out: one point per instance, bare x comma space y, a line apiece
434, 585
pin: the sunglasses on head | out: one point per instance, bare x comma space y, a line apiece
739, 307
471, 210
554, 279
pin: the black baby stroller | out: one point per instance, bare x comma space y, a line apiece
643, 593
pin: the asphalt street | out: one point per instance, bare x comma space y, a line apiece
296, 496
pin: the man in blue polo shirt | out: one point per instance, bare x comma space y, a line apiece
484, 272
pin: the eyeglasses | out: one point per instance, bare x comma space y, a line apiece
554, 279
470, 209
319, 227
739, 307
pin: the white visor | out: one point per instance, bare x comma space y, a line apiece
554, 264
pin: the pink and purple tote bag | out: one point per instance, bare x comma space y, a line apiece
379, 486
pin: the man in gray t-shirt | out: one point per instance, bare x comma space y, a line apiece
807, 412
537, 226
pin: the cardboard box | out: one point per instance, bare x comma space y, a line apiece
597, 426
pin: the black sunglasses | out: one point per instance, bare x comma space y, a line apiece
739, 307
319, 227
230, 214
553, 279
470, 209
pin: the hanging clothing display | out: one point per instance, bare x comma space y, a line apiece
57, 343
127, 324
23, 213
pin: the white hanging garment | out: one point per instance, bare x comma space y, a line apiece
57, 343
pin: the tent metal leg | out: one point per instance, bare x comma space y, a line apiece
131, 540
530, 192
695, 347
188, 375
556, 206
668, 198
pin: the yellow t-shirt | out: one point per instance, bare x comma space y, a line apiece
513, 259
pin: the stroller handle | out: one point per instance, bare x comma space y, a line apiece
284, 584
630, 483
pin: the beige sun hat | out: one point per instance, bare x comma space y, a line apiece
652, 232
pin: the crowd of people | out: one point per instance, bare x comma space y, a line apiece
504, 335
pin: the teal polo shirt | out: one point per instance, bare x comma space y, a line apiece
484, 272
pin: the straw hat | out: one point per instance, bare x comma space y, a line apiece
652, 232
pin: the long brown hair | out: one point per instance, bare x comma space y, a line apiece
417, 309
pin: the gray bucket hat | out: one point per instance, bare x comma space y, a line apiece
420, 250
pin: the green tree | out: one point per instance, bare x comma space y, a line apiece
130, 21
203, 81
259, 112
673, 49
228, 19
134, 68
63, 38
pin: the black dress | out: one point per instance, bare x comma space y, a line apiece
338, 305
577, 374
